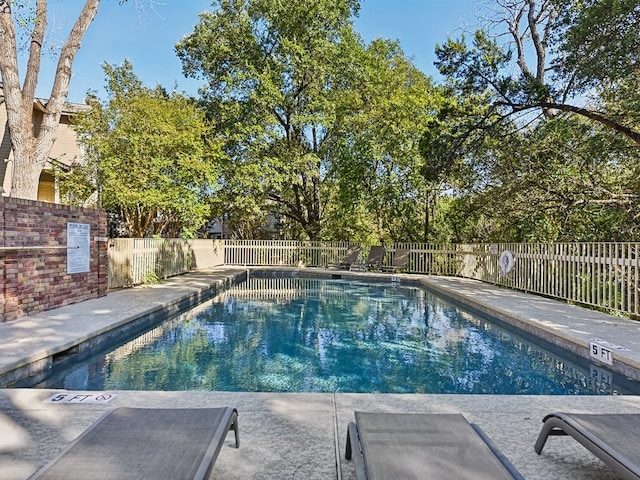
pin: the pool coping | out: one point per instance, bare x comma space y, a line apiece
297, 435
83, 326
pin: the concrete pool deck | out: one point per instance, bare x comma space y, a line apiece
302, 436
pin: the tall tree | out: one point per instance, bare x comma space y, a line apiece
533, 25
153, 163
272, 69
601, 55
376, 146
555, 150
601, 41
32, 143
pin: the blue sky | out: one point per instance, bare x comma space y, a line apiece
147, 37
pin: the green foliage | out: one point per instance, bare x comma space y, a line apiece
376, 146
599, 40
325, 137
272, 69
151, 278
515, 175
582, 57
152, 161
621, 100
78, 185
474, 69
315, 121
350, 222
565, 181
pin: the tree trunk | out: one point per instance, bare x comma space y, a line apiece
26, 171
426, 216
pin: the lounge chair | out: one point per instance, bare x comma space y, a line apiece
374, 259
429, 446
613, 438
399, 262
146, 443
350, 258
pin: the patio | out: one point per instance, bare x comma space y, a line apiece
301, 435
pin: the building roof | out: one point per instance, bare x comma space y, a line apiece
69, 108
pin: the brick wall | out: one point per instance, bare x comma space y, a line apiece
36, 279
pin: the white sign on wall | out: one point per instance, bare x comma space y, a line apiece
601, 353
78, 235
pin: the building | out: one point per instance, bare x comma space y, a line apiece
64, 154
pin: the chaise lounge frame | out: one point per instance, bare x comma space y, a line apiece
429, 446
146, 443
350, 257
399, 262
613, 438
374, 259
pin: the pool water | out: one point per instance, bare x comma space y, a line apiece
316, 335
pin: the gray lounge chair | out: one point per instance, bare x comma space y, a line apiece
350, 258
147, 443
399, 262
429, 446
613, 438
374, 259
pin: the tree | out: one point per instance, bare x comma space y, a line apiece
601, 54
153, 162
533, 25
552, 149
32, 144
272, 70
376, 144
569, 180
601, 42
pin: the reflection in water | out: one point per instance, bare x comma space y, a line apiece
312, 335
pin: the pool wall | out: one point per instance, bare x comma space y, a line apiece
567, 327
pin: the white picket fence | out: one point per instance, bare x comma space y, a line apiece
601, 275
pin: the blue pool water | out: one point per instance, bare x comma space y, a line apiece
315, 335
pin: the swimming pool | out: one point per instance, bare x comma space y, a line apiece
323, 335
